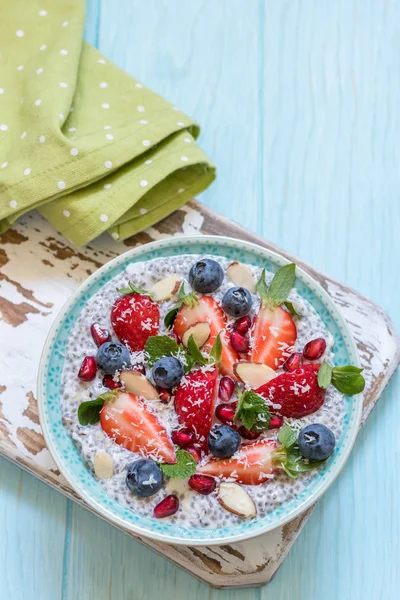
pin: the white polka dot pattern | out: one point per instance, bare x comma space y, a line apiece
136, 123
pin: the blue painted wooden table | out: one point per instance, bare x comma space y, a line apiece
299, 103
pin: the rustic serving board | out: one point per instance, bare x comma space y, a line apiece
39, 270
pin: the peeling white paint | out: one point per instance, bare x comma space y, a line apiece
19, 358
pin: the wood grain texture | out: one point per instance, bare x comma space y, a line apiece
299, 106
241, 564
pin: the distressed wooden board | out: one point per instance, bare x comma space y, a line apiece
39, 270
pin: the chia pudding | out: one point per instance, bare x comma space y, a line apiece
167, 408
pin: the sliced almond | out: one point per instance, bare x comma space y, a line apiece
166, 288
137, 384
235, 499
253, 373
200, 332
241, 275
103, 465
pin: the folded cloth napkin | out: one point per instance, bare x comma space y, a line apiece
84, 142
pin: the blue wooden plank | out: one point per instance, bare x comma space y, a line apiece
299, 107
330, 154
32, 533
203, 57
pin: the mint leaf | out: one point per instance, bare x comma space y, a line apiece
295, 464
324, 375
291, 309
184, 467
216, 350
170, 316
195, 351
187, 299
158, 346
288, 457
183, 298
261, 286
132, 289
287, 436
281, 284
89, 411
279, 288
252, 411
348, 380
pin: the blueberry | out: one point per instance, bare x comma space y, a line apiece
112, 356
206, 276
144, 478
223, 441
316, 442
237, 302
167, 372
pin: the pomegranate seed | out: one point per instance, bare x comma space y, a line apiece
226, 388
164, 395
225, 413
243, 324
182, 437
166, 507
239, 342
109, 382
314, 349
247, 434
99, 334
275, 422
88, 369
294, 361
195, 452
203, 484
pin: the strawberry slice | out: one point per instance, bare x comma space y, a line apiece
207, 309
195, 401
126, 420
273, 335
134, 318
252, 464
295, 393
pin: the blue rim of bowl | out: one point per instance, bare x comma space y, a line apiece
91, 491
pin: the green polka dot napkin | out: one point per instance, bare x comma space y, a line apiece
85, 143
